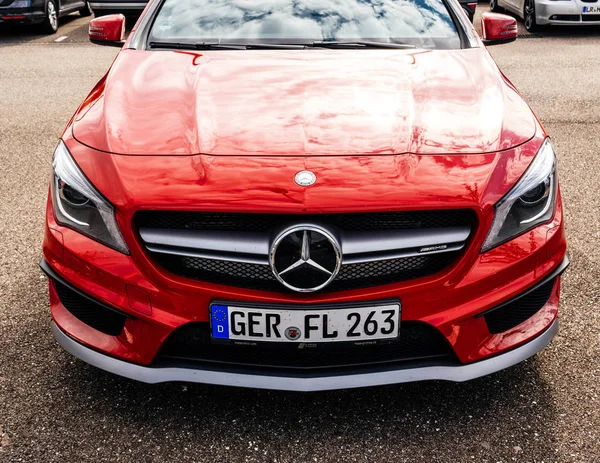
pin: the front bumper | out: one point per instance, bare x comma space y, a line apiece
317, 380
305, 384
452, 303
21, 15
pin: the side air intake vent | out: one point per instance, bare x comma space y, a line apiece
516, 312
91, 313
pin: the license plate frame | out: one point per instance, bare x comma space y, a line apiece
310, 308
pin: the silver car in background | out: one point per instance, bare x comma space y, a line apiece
537, 13
102, 7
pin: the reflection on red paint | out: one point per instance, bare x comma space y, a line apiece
290, 103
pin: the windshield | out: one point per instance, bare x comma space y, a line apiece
422, 23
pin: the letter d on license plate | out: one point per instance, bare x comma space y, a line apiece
314, 324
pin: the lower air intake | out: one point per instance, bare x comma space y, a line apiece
514, 313
92, 314
418, 342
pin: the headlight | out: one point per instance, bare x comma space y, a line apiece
530, 202
78, 205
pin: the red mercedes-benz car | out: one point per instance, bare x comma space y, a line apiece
304, 196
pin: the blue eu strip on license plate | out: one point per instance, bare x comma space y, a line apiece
220, 321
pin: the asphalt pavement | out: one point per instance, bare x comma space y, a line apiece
55, 408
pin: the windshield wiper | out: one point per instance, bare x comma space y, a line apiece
274, 46
223, 46
359, 44
195, 46
218, 45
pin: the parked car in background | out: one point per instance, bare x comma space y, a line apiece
46, 13
130, 7
539, 13
469, 6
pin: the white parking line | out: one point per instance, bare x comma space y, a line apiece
61, 38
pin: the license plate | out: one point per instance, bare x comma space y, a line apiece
591, 10
314, 325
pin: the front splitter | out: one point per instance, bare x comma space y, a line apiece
457, 373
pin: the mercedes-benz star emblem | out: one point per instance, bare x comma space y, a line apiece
305, 178
305, 258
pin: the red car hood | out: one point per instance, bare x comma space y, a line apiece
304, 102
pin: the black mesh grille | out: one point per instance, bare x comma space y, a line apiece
92, 314
376, 221
260, 277
417, 342
590, 17
368, 274
514, 313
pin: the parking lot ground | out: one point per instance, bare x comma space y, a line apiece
55, 408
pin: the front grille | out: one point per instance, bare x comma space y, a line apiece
376, 221
516, 312
89, 312
192, 343
260, 277
232, 249
590, 17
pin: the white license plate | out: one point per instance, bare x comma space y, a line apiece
314, 325
591, 10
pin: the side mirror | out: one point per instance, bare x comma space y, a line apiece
108, 30
498, 28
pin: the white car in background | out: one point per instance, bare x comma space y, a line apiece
102, 7
538, 13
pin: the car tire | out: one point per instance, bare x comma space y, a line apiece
50, 23
86, 10
529, 16
495, 7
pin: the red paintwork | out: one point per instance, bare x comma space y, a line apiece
304, 102
497, 27
110, 28
382, 130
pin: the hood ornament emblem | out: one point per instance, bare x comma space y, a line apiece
305, 178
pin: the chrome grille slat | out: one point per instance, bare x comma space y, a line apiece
395, 241
207, 254
397, 254
254, 247
218, 242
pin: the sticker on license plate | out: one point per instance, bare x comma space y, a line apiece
591, 10
237, 323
